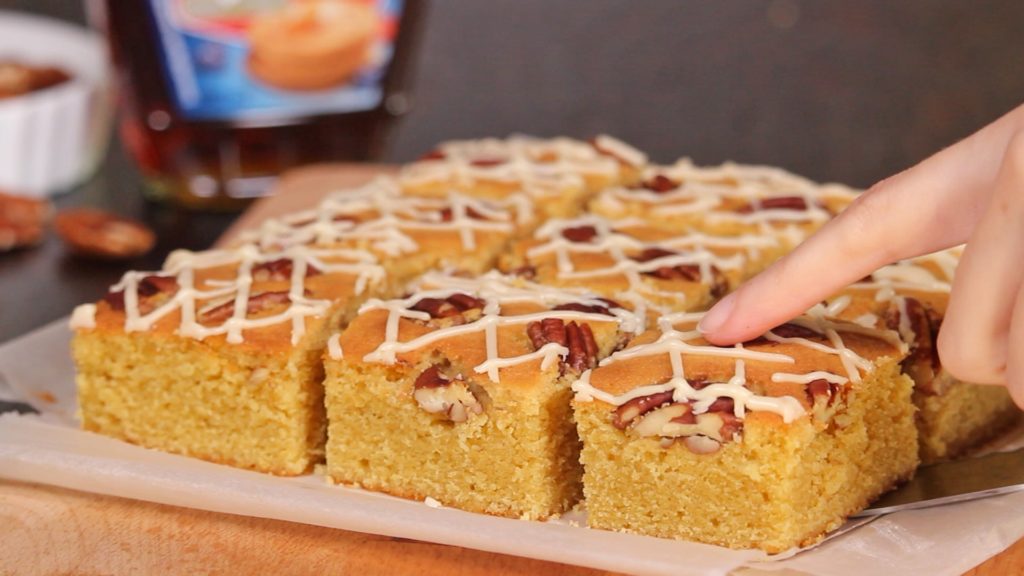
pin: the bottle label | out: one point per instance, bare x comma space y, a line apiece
275, 60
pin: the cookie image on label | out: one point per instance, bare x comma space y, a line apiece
312, 44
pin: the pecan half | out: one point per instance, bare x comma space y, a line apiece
100, 234
280, 270
657, 416
547, 330
582, 347
437, 393
624, 415
581, 234
257, 303
578, 338
776, 203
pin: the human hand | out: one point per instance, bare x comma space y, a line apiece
971, 192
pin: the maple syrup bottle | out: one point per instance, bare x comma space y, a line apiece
219, 97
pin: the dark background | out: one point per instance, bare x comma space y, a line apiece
847, 91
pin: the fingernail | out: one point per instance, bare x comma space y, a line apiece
718, 315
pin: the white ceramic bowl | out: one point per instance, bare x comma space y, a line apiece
52, 139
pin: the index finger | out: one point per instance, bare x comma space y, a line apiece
932, 206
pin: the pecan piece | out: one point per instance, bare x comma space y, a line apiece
434, 155
722, 404
526, 271
103, 235
922, 364
776, 203
472, 213
653, 253
582, 347
702, 445
731, 425
790, 330
436, 393
22, 220
581, 234
653, 423
280, 270
147, 288
660, 184
464, 302
451, 306
436, 307
257, 303
487, 162
688, 272
624, 415
590, 308
431, 378
822, 389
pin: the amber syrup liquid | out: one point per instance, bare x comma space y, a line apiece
223, 165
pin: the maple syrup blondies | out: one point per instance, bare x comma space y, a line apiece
911, 297
460, 392
559, 174
408, 235
646, 268
217, 355
726, 199
768, 444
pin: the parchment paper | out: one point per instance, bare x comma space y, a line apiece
49, 448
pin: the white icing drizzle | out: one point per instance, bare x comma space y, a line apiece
340, 236
678, 344
929, 273
193, 300
541, 168
378, 215
83, 317
497, 292
334, 350
914, 274
809, 377
620, 150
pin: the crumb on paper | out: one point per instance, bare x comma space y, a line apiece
47, 397
432, 503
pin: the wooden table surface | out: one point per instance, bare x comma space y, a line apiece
48, 530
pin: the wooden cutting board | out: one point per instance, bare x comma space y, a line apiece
47, 530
